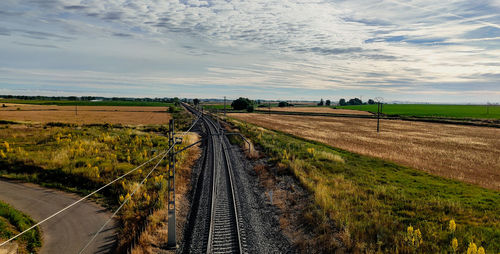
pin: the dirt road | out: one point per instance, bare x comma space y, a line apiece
69, 231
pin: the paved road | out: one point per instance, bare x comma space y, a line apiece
69, 231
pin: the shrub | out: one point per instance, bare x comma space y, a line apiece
283, 104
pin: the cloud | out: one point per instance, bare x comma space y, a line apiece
125, 35
283, 44
36, 45
483, 32
42, 35
114, 15
75, 7
4, 31
335, 51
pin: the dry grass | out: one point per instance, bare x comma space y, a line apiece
318, 110
469, 154
86, 114
156, 231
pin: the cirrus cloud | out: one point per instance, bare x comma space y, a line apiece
387, 48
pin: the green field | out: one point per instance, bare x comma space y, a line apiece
217, 106
419, 110
370, 204
88, 103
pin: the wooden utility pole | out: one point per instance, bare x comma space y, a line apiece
269, 108
224, 105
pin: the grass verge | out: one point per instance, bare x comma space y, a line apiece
156, 230
371, 205
12, 222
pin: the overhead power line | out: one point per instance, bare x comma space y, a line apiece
94, 192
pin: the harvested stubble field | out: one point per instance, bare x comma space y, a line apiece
318, 110
465, 153
85, 114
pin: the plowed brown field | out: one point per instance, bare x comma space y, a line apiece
466, 153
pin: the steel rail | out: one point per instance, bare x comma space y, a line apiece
228, 170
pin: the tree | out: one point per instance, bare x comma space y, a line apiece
321, 103
176, 101
370, 101
355, 101
250, 108
196, 101
241, 103
342, 102
328, 103
283, 104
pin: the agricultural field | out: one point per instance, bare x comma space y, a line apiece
125, 115
364, 204
315, 109
465, 153
429, 110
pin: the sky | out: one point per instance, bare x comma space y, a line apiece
396, 50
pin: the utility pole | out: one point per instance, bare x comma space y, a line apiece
378, 116
76, 109
379, 111
171, 240
224, 105
379, 101
269, 108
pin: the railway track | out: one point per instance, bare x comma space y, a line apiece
222, 233
229, 210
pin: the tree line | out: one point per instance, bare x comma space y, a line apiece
247, 104
343, 102
91, 98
